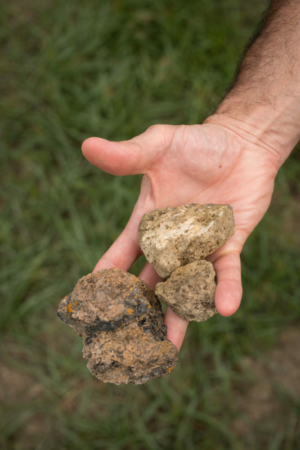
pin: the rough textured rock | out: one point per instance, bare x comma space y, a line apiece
190, 291
174, 237
121, 324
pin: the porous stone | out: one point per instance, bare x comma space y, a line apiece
174, 237
121, 324
190, 291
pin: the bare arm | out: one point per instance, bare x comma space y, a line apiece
264, 100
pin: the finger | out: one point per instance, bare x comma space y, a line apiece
128, 157
229, 289
176, 327
125, 250
150, 276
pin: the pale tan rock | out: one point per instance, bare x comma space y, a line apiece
190, 291
174, 237
121, 324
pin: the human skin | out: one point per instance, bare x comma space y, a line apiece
232, 158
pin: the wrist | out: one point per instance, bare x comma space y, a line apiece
275, 128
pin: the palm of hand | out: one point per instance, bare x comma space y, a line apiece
190, 164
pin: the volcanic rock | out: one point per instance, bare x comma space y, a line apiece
190, 291
121, 324
174, 237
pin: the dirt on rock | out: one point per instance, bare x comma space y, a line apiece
173, 237
121, 324
190, 291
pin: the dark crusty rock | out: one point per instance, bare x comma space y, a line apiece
121, 324
174, 237
190, 291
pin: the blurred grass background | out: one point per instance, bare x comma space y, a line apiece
111, 68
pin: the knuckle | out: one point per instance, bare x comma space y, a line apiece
157, 128
162, 133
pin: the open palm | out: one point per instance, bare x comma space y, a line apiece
207, 163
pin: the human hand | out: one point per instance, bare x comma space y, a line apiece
211, 163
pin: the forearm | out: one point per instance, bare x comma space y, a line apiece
264, 102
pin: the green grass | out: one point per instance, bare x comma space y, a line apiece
71, 70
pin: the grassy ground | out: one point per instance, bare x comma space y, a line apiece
112, 68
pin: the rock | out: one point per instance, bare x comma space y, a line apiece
121, 324
174, 237
190, 291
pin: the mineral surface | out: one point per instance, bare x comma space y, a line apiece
121, 324
174, 237
190, 291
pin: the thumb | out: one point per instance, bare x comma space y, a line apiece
131, 157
